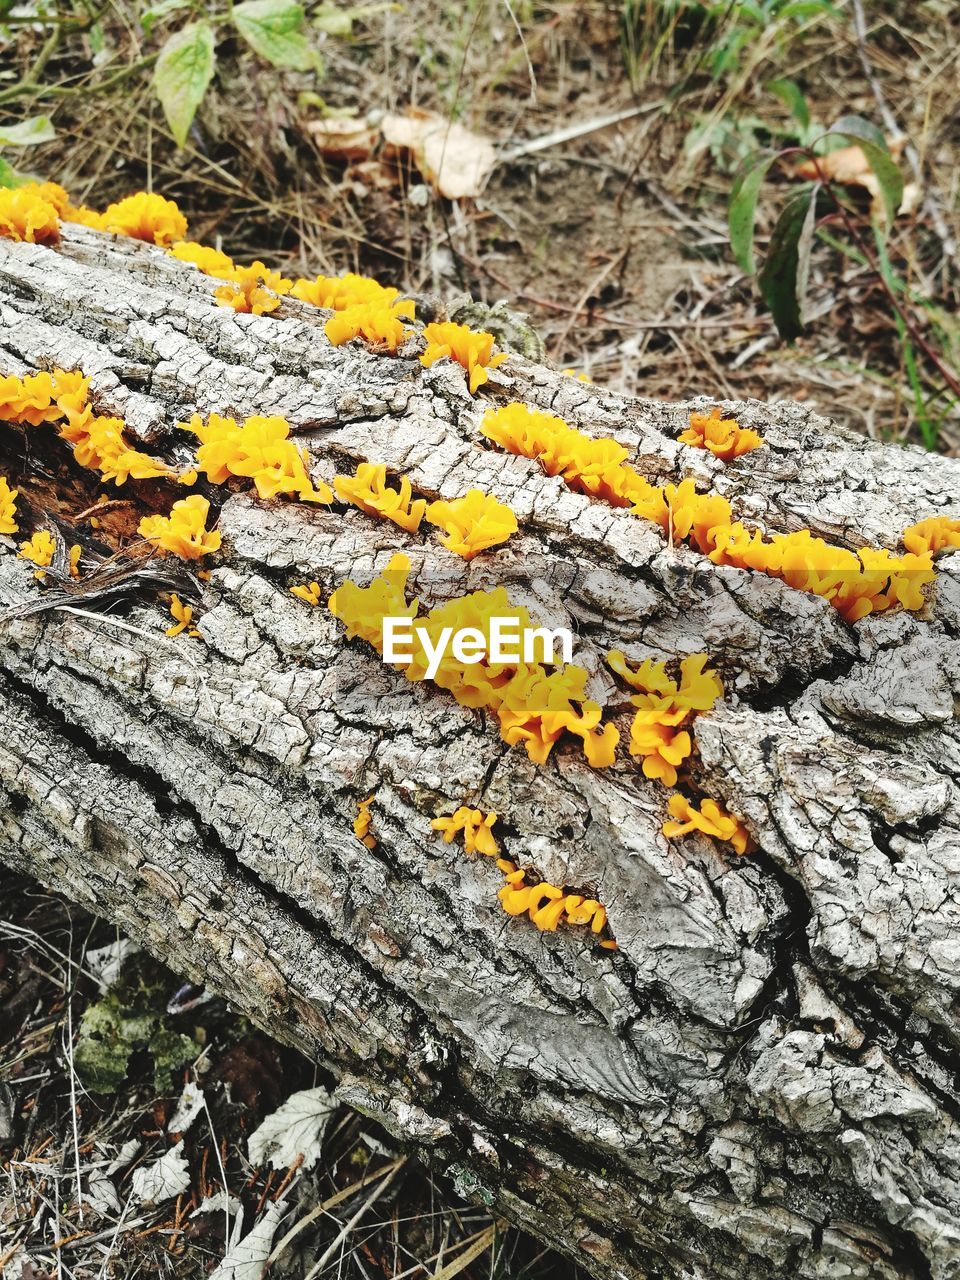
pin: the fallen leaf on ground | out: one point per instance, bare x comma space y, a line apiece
296, 1129
344, 139
188, 1108
455, 161
164, 1179
245, 1258
850, 167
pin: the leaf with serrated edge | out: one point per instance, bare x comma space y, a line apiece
295, 1129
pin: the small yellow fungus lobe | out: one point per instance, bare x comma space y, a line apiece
472, 523
260, 450
724, 437
76, 551
27, 215
183, 532
8, 507
473, 349
182, 615
534, 705
362, 823
936, 533
39, 549
210, 261
253, 290
309, 592
477, 828
547, 905
368, 490
664, 707
711, 819
145, 216
578, 377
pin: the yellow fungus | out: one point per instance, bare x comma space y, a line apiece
472, 523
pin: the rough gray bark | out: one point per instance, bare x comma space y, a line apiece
764, 1077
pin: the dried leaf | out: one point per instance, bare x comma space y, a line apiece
453, 160
296, 1129
851, 167
345, 139
162, 1180
244, 1259
106, 962
187, 1110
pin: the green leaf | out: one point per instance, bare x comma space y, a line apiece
8, 176
160, 10
28, 133
742, 213
183, 71
274, 29
791, 95
783, 280
874, 146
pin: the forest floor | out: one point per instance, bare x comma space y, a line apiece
613, 239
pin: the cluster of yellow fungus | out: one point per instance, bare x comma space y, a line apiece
724, 437
369, 491
856, 583
476, 826
144, 216
259, 449
98, 442
182, 615
308, 592
470, 348
363, 308
382, 327
711, 819
936, 533
183, 532
8, 507
39, 550
534, 706
665, 707
255, 290
472, 523
577, 377
27, 215
362, 823
547, 905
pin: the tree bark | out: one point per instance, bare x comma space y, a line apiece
764, 1077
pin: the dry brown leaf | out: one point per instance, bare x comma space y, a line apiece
345, 139
453, 160
850, 167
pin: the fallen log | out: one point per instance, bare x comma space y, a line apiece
764, 1074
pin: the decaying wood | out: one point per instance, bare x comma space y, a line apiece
763, 1079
